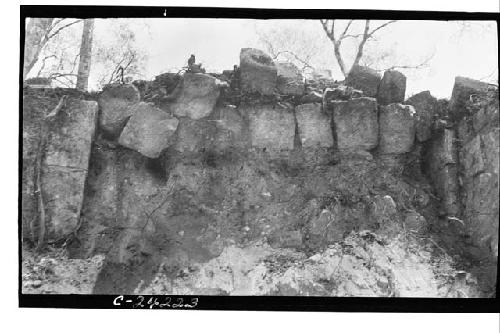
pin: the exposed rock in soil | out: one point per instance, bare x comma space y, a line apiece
361, 265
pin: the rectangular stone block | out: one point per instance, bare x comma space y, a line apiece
271, 127
64, 168
392, 88
355, 122
397, 128
463, 89
194, 135
314, 126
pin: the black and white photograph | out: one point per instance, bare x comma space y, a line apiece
172, 154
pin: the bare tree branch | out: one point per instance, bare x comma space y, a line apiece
43, 63
380, 27
49, 36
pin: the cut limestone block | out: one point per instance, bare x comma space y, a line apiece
149, 130
397, 128
426, 106
355, 123
197, 95
258, 72
463, 89
364, 79
115, 102
231, 129
314, 126
392, 88
290, 80
271, 127
64, 168
193, 136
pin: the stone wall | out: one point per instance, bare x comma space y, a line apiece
478, 138
462, 161
198, 160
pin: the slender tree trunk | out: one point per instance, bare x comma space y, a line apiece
82, 80
36, 37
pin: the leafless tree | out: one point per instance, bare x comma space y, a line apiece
337, 39
38, 33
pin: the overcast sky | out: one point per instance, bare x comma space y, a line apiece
217, 43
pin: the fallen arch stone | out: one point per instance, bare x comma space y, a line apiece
258, 72
115, 103
314, 126
397, 128
149, 130
355, 123
197, 95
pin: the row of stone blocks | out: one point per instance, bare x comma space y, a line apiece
357, 124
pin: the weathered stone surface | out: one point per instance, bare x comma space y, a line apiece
271, 127
463, 89
64, 168
115, 102
314, 126
397, 128
194, 135
290, 80
364, 79
472, 157
482, 211
231, 129
426, 106
491, 144
149, 130
392, 88
441, 166
485, 116
356, 123
258, 72
196, 96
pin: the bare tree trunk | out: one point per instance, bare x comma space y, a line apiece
36, 37
85, 55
